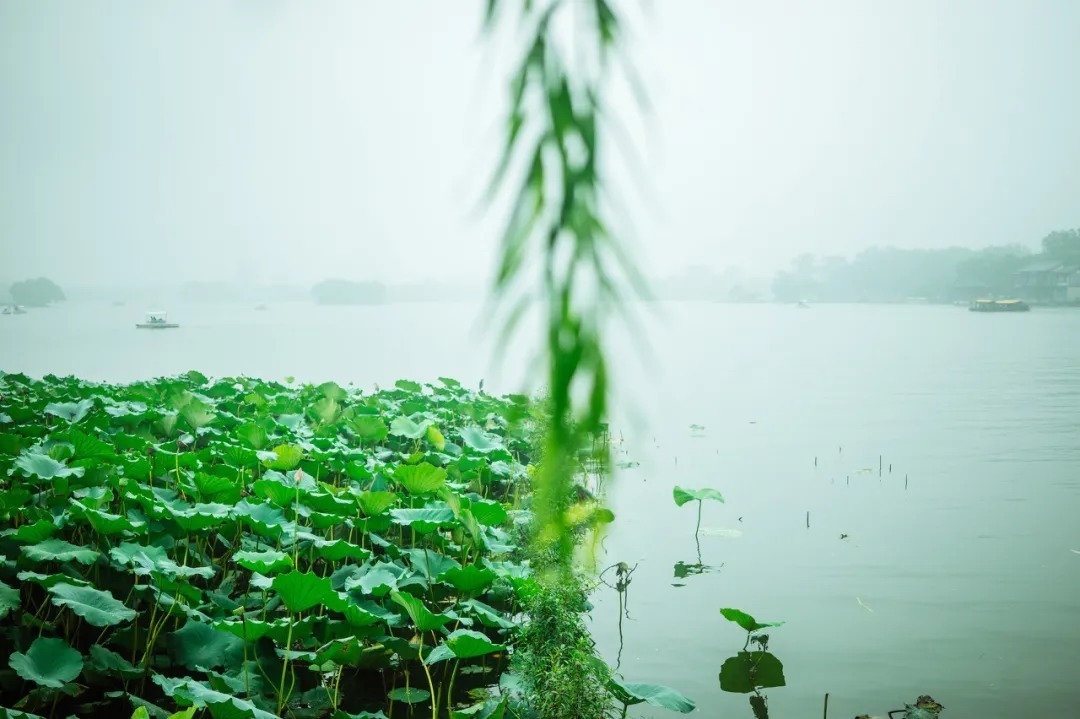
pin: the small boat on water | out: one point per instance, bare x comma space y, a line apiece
802, 305
14, 310
156, 321
999, 306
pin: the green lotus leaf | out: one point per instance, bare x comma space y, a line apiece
286, 457
338, 549
369, 428
423, 519
745, 621
747, 672
264, 562
9, 600
197, 414
57, 550
405, 427
343, 652
631, 693
106, 523
277, 492
435, 438
409, 695
487, 615
480, 441
373, 503
201, 516
217, 489
98, 607
429, 562
50, 580
422, 618
377, 580
71, 411
420, 478
199, 646
682, 496
48, 662
35, 464
465, 644
470, 579
109, 662
332, 390
488, 512
359, 614
325, 411
86, 446
329, 504
253, 434
221, 705
32, 533
300, 591
409, 386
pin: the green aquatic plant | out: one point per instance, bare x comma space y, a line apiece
750, 671
682, 496
247, 547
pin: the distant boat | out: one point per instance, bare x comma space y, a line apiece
999, 306
14, 310
156, 321
261, 307
802, 305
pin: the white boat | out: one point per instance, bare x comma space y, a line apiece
14, 310
156, 321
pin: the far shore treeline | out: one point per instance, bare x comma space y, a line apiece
877, 274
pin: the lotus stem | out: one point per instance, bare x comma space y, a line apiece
698, 528
284, 666
431, 686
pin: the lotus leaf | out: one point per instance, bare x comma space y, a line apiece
656, 694
98, 607
71, 411
422, 618
57, 550
682, 496
48, 662
746, 621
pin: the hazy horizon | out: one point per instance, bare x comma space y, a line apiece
267, 143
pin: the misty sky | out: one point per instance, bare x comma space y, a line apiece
288, 141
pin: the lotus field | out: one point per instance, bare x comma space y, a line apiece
249, 548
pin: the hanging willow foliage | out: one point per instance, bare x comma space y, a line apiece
558, 228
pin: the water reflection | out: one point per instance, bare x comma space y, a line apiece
623, 574
748, 672
686, 569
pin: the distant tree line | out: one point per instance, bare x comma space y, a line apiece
889, 274
39, 292
347, 292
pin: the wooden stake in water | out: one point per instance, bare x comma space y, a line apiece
808, 520
879, 465
815, 461
905, 481
890, 467
849, 480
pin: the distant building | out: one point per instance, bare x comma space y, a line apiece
1049, 282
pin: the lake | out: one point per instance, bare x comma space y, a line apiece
960, 572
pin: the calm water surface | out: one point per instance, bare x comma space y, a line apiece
964, 585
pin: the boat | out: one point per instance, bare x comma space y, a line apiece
999, 306
261, 308
156, 321
802, 304
14, 310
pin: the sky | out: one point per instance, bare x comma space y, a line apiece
283, 141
